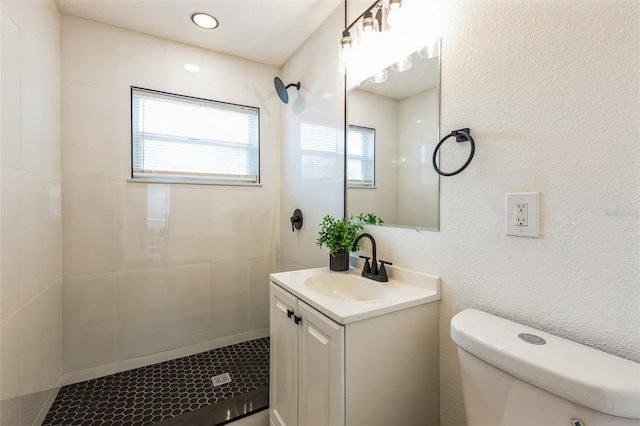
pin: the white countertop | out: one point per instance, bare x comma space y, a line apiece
404, 289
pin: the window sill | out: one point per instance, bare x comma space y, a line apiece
192, 182
361, 187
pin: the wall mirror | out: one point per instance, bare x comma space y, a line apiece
393, 117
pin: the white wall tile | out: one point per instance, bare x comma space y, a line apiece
89, 132
259, 271
40, 342
189, 236
88, 52
11, 255
143, 212
141, 313
264, 221
230, 301
231, 221
30, 264
39, 245
31, 405
89, 228
10, 410
10, 142
189, 309
140, 61
88, 321
12, 329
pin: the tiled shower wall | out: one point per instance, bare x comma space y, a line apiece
156, 271
30, 255
312, 169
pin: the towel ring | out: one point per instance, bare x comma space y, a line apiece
462, 135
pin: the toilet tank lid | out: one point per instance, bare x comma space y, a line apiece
578, 373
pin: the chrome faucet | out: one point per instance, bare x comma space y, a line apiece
371, 270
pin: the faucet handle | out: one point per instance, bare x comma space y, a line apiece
382, 272
367, 265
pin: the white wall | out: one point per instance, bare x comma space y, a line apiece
381, 113
551, 92
316, 189
156, 271
30, 257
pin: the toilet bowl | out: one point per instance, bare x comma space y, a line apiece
517, 375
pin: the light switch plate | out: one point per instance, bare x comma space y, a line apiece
522, 217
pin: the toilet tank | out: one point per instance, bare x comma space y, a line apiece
516, 375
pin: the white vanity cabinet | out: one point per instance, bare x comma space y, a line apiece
307, 358
375, 370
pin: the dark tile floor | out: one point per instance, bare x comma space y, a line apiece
153, 394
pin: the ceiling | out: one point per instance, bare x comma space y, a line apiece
265, 31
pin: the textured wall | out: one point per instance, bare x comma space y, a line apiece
30, 259
551, 92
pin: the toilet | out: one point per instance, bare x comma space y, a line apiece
517, 375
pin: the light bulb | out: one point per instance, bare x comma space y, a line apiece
346, 40
367, 22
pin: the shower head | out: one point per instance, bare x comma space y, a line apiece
282, 89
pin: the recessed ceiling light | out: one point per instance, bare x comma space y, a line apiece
204, 20
192, 67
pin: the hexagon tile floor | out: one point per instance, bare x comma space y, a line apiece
155, 393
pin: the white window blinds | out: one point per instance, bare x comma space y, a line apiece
360, 156
178, 138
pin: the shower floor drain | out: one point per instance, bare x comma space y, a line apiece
221, 379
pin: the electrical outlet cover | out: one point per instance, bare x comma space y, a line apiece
532, 227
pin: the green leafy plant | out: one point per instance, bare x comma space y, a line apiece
338, 234
369, 219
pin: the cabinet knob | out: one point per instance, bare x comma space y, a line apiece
289, 313
297, 319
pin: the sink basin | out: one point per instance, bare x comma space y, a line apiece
344, 286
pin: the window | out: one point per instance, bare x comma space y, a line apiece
182, 139
360, 156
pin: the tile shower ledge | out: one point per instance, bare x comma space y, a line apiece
405, 289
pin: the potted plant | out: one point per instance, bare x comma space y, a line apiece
338, 236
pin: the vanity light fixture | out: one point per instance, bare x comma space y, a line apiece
395, 4
204, 20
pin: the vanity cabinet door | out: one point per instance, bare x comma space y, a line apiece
320, 369
283, 395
